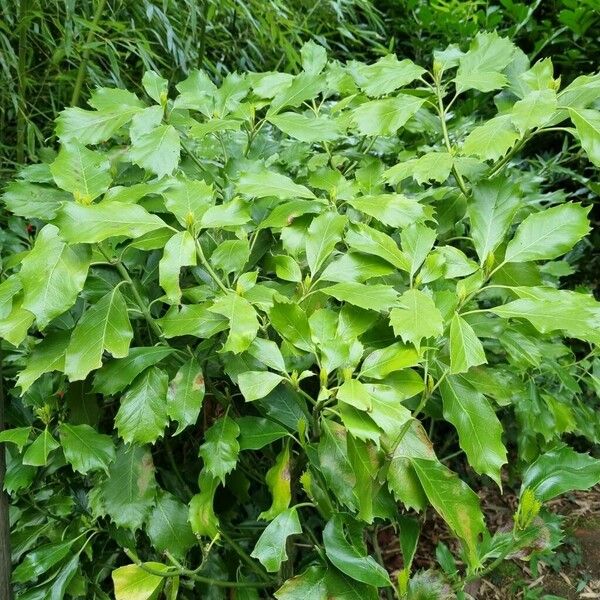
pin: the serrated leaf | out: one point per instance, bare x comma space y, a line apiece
394, 210
417, 317
104, 326
83, 172
95, 223
491, 211
266, 183
180, 251
376, 297
492, 140
385, 117
466, 350
385, 76
417, 241
270, 549
363, 238
185, 395
304, 86
127, 494
16, 435
549, 233
455, 501
220, 449
534, 110
142, 414
380, 363
65, 270
157, 150
243, 322
350, 560
117, 374
86, 449
257, 384
324, 232
478, 427
47, 356
38, 451
168, 527
201, 514
587, 123
306, 129
289, 320
560, 470
188, 200
258, 432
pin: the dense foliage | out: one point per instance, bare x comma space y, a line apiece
245, 311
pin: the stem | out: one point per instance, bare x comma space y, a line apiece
244, 556
136, 295
194, 576
442, 115
86, 53
207, 266
5, 556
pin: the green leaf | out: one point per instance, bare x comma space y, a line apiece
230, 256
258, 432
365, 466
268, 353
196, 93
324, 232
38, 451
243, 322
127, 494
478, 427
534, 110
270, 549
304, 86
385, 117
394, 210
466, 350
201, 515
417, 317
168, 527
192, 319
220, 449
363, 238
264, 183
306, 129
548, 309
560, 470
384, 76
377, 297
65, 271
142, 415
188, 200
9, 288
41, 560
17, 435
134, 583
257, 384
291, 323
355, 267
230, 214
380, 363
83, 172
14, 327
356, 394
47, 356
455, 501
491, 212
350, 560
492, 140
86, 449
103, 327
180, 251
156, 87
287, 268
117, 374
587, 123
32, 201
549, 233
114, 109
417, 241
156, 150
480, 67
433, 166
185, 395
95, 223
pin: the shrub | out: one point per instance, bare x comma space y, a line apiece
254, 313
